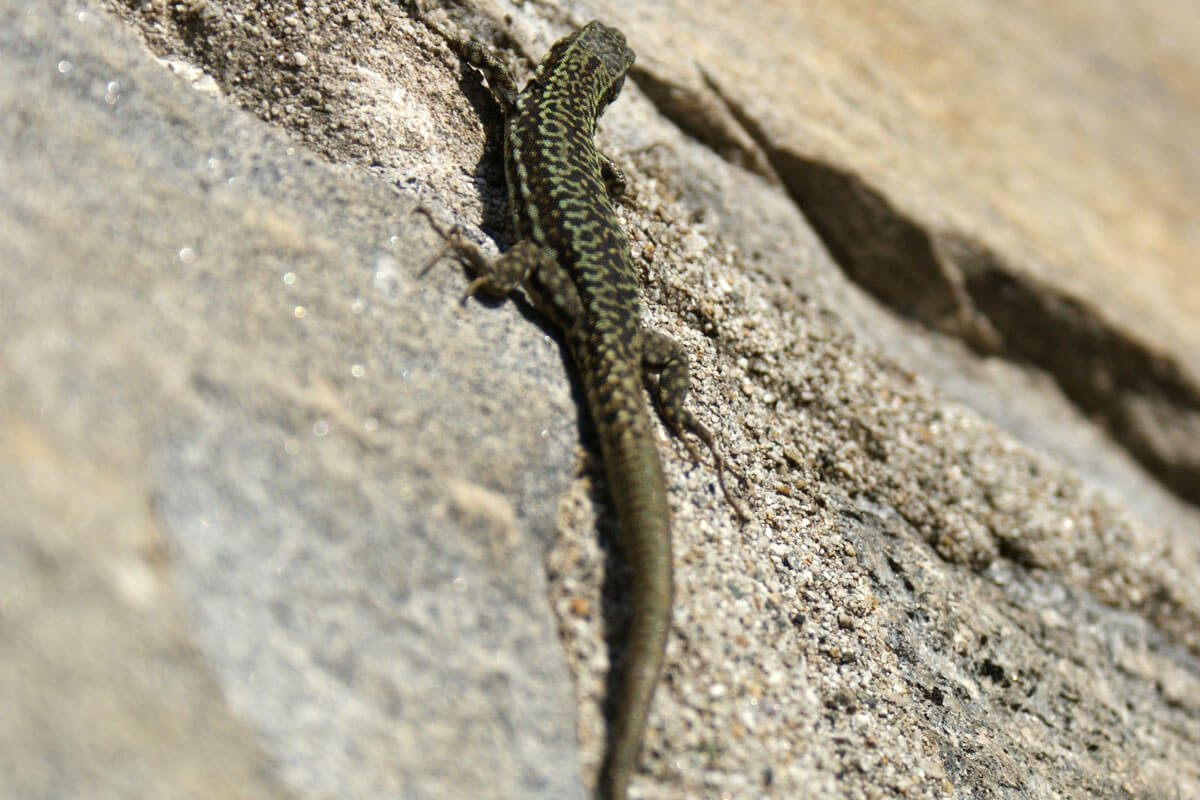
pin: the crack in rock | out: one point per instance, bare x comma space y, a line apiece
950, 282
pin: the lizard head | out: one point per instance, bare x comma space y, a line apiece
596, 50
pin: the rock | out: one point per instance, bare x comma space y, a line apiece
269, 499
247, 522
1018, 178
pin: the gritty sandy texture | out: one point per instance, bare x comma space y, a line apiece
324, 520
1014, 174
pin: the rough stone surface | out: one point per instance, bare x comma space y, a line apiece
1015, 174
280, 518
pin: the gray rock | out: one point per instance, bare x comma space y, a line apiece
218, 356
279, 517
1019, 178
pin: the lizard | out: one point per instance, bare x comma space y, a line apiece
573, 262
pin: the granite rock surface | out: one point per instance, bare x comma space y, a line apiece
280, 517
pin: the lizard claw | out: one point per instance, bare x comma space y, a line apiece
452, 239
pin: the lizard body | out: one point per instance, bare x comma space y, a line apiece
573, 261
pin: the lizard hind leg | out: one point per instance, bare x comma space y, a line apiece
663, 355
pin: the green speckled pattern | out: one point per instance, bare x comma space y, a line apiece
573, 261
559, 200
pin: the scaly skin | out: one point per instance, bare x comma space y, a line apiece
573, 262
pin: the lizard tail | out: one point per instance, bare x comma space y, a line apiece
639, 495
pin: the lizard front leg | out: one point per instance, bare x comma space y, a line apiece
524, 265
